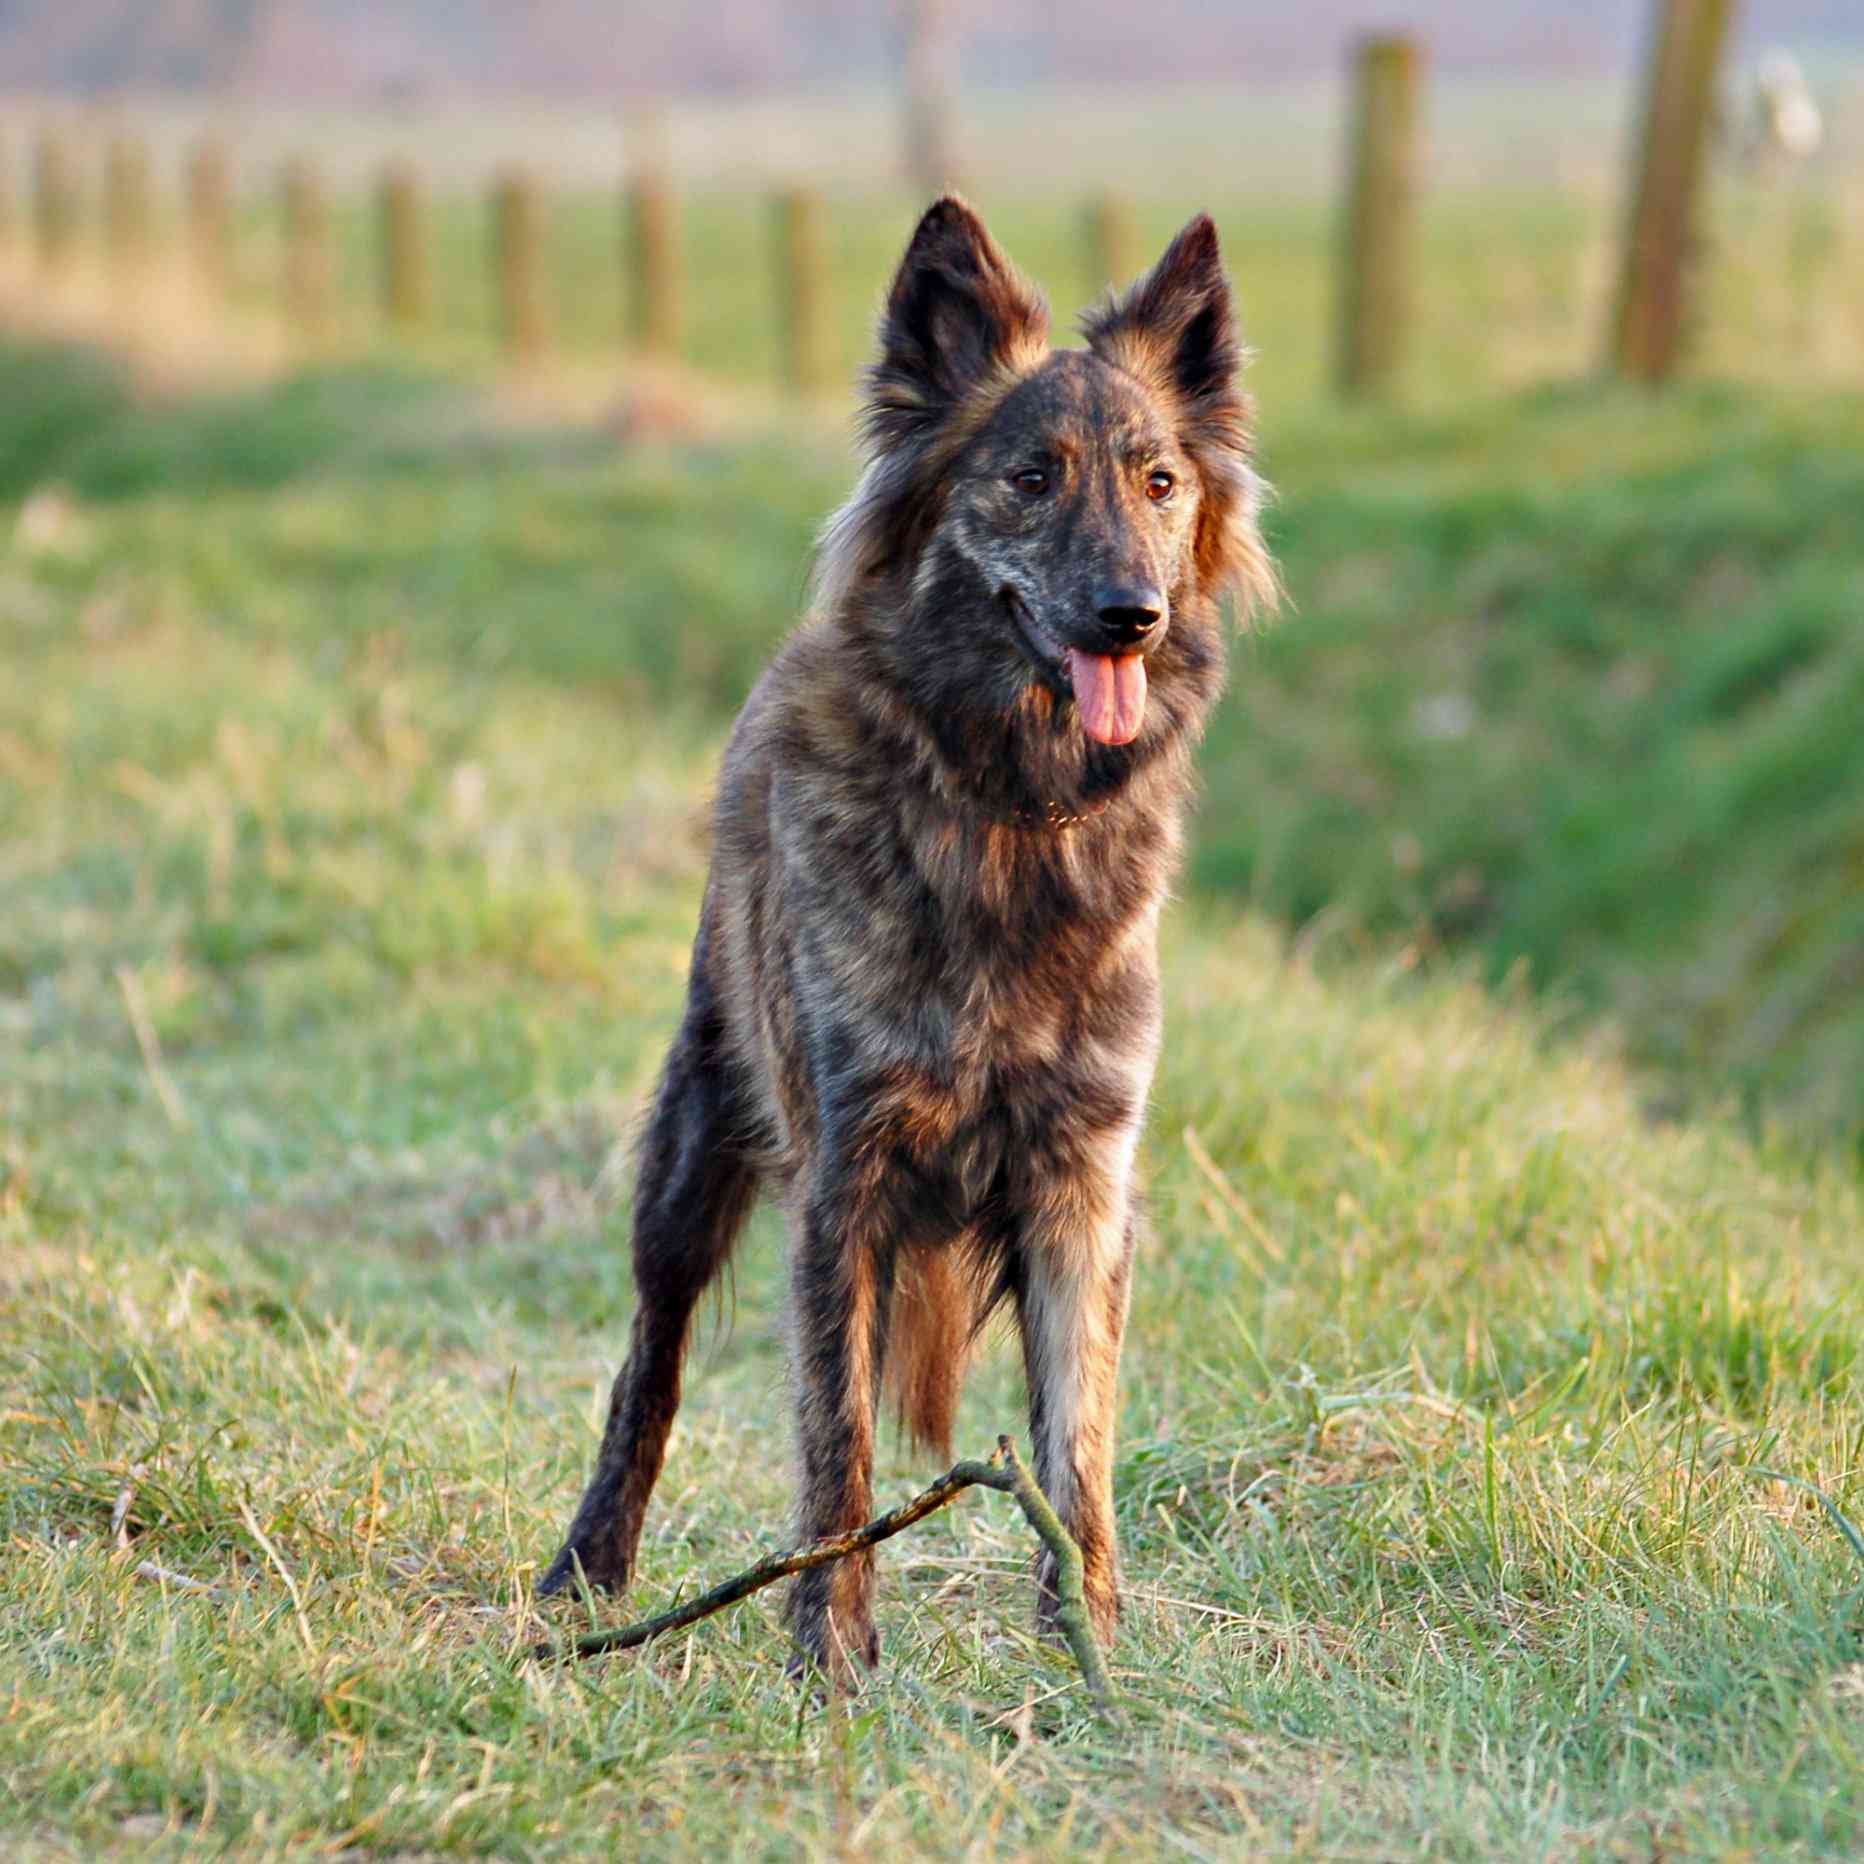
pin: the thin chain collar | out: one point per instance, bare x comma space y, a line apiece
1051, 815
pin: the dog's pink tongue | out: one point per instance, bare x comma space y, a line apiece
1110, 694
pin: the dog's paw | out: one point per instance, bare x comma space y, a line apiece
1102, 1592
603, 1575
824, 1650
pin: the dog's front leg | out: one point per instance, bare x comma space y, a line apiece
1073, 1288
840, 1283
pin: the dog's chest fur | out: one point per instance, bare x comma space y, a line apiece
922, 973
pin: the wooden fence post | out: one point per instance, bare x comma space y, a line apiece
802, 289
129, 209
54, 200
1112, 242
654, 272
308, 273
9, 215
1378, 230
1660, 235
930, 61
406, 274
209, 189
518, 264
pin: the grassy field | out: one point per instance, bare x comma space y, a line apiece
1578, 679
1571, 678
1491, 1458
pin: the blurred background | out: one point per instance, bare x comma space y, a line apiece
1560, 323
1521, 156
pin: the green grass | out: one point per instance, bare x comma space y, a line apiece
1491, 1458
1571, 679
1580, 682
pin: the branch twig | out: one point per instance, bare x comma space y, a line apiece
147, 1569
1005, 1472
1070, 1592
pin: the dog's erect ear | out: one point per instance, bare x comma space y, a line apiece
957, 314
959, 319
1176, 331
1176, 327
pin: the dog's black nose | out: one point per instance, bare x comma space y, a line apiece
1128, 612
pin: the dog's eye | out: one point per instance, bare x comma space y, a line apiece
1032, 479
1160, 485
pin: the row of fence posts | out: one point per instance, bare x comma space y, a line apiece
128, 205
1376, 261
1378, 227
518, 209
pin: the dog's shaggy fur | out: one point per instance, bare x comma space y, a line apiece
924, 1003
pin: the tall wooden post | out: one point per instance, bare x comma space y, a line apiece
1659, 243
209, 209
930, 63
1378, 232
406, 276
1112, 242
309, 275
654, 271
518, 265
54, 200
802, 288
129, 208
9, 212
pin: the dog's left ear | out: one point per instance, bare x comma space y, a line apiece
1176, 331
1176, 328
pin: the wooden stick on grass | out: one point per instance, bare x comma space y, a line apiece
1005, 1471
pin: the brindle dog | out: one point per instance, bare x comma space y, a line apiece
924, 1002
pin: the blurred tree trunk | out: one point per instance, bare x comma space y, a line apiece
930, 65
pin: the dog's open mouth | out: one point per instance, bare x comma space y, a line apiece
1109, 689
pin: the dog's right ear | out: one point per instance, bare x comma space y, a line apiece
958, 319
958, 314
